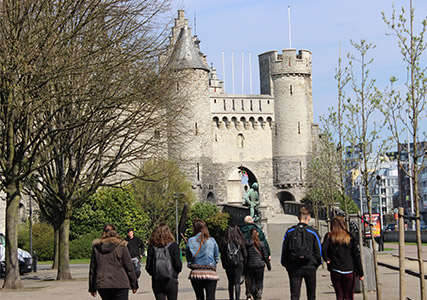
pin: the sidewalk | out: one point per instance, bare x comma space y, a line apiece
41, 285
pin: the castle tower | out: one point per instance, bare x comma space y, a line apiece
287, 77
193, 148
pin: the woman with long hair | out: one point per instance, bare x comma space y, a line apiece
162, 240
202, 257
342, 255
111, 271
257, 259
233, 243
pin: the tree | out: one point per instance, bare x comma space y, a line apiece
161, 183
363, 132
115, 97
413, 103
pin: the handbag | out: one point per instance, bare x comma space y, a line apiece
202, 272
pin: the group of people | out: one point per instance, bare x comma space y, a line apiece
244, 252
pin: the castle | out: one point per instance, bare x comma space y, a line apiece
267, 137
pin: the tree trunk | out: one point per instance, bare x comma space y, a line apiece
55, 247
12, 278
419, 242
64, 251
374, 251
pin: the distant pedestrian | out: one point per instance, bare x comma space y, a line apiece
136, 250
202, 257
341, 253
111, 272
233, 259
257, 259
163, 266
246, 230
302, 255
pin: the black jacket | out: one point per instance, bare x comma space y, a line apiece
246, 230
111, 266
243, 254
135, 246
175, 259
257, 257
315, 245
342, 257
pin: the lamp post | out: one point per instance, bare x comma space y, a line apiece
176, 196
379, 185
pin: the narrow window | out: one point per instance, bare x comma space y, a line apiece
214, 100
299, 128
275, 129
196, 129
216, 138
290, 90
259, 103
198, 172
300, 170
177, 86
233, 108
225, 106
276, 172
243, 105
251, 108
240, 139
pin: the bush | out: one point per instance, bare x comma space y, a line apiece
81, 247
216, 221
109, 205
43, 239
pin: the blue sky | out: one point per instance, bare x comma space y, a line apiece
258, 26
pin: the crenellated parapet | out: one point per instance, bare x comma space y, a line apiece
242, 123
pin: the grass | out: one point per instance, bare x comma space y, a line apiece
72, 261
407, 243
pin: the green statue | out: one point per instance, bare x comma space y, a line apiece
252, 200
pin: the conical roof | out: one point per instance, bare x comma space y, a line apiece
185, 54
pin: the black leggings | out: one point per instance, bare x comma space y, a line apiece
200, 286
295, 279
233, 276
257, 281
114, 294
163, 289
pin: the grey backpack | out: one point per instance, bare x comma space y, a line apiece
162, 263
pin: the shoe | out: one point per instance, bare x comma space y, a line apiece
249, 297
258, 295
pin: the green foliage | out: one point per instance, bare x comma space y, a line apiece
216, 221
161, 186
81, 247
109, 205
352, 207
43, 239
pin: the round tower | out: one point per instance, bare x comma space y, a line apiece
287, 77
191, 144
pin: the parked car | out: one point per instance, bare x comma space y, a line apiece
24, 257
390, 227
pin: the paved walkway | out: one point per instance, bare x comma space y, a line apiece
41, 285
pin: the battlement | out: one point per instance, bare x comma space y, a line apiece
241, 123
289, 62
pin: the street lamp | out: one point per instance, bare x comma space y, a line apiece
176, 196
379, 185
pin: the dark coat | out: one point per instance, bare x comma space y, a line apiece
175, 259
135, 246
246, 230
342, 257
111, 266
243, 254
314, 244
257, 257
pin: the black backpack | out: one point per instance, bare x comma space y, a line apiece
232, 255
299, 245
162, 263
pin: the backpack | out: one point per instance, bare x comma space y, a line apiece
299, 245
162, 263
232, 254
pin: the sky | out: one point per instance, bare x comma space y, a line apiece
255, 26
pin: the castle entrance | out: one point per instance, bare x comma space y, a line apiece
285, 197
238, 184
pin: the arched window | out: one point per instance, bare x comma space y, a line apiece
240, 139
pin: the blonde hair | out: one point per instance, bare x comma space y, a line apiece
339, 234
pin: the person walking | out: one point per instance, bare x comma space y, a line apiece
165, 286
246, 230
111, 272
302, 255
233, 259
136, 250
342, 255
202, 255
257, 259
